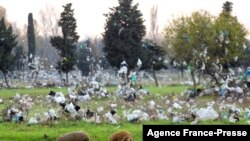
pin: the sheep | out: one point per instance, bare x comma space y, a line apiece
74, 136
121, 136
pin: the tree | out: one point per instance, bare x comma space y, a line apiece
189, 39
153, 34
2, 12
97, 46
7, 43
230, 40
227, 7
19, 58
19, 63
206, 44
3, 15
123, 34
49, 18
31, 39
19, 49
103, 62
245, 61
155, 57
66, 45
86, 60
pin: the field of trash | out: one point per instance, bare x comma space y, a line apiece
44, 113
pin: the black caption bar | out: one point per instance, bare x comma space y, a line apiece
163, 132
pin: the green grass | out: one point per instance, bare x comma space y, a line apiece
164, 90
102, 132
97, 132
5, 93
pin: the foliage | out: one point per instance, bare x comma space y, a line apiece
123, 34
31, 39
65, 44
205, 43
189, 39
103, 62
230, 40
227, 7
188, 36
86, 60
155, 55
19, 58
7, 43
245, 61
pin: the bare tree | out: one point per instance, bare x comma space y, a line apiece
49, 18
153, 34
2, 12
96, 46
49, 27
3, 15
18, 31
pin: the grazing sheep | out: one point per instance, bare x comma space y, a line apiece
121, 136
74, 136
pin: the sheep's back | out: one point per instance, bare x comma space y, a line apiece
74, 136
121, 136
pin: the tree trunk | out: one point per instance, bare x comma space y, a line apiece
67, 77
6, 80
193, 79
61, 77
182, 74
36, 73
23, 76
126, 78
19, 75
199, 78
214, 78
156, 82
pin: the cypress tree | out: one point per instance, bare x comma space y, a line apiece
123, 34
7, 43
31, 39
66, 44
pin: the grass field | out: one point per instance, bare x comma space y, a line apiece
5, 93
97, 132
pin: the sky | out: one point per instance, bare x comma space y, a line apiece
89, 13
